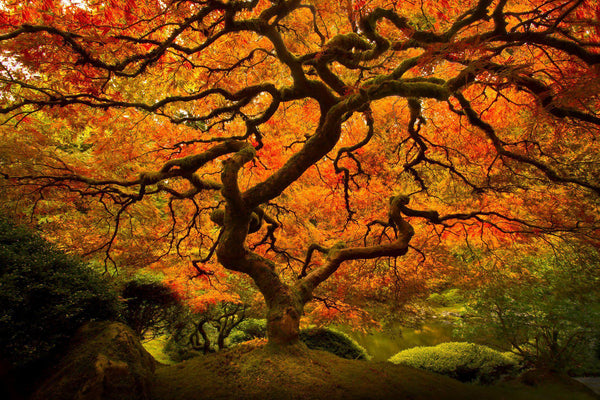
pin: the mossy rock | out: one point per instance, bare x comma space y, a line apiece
104, 361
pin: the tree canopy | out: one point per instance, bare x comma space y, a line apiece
325, 149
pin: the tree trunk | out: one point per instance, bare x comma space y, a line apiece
283, 321
195, 340
221, 337
285, 304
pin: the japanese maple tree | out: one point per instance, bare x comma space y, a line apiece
291, 140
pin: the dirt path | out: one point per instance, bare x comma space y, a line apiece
591, 382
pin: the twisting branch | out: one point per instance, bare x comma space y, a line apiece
347, 152
311, 249
338, 254
414, 126
553, 175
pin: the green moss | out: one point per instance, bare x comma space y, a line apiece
156, 347
256, 373
322, 338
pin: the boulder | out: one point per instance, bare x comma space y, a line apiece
104, 361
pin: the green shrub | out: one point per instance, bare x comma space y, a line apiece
209, 331
248, 329
587, 362
334, 342
45, 295
550, 314
466, 362
179, 347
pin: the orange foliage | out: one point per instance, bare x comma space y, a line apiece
102, 100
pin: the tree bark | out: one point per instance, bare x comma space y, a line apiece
195, 340
283, 319
284, 304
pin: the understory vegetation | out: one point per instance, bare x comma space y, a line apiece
466, 362
45, 295
316, 338
252, 371
544, 309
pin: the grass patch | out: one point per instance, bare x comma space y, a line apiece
156, 347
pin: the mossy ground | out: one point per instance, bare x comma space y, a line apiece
156, 347
253, 371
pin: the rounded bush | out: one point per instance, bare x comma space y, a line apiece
45, 295
333, 341
248, 329
466, 362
